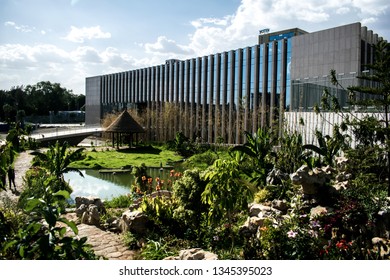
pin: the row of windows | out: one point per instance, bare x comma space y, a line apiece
230, 77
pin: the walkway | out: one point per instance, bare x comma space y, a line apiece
22, 164
105, 244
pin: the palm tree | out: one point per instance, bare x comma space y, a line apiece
57, 160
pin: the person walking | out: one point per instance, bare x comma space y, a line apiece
11, 177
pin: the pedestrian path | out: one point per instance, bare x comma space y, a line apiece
105, 244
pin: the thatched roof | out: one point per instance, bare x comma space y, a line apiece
125, 124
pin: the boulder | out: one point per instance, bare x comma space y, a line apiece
251, 225
318, 211
280, 205
194, 254
382, 246
276, 177
312, 180
260, 210
82, 203
133, 221
112, 224
89, 209
91, 215
87, 200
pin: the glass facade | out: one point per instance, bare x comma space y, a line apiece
214, 97
219, 96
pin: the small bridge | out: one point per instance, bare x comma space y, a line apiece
71, 135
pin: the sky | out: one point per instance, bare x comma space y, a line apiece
65, 41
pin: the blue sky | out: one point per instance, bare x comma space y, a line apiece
66, 41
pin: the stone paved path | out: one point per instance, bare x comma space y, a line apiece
106, 244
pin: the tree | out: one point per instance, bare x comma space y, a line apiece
57, 160
226, 193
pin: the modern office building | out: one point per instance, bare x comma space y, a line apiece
219, 96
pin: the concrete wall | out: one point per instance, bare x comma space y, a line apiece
93, 101
315, 54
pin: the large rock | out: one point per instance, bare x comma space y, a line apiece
251, 226
194, 254
276, 177
312, 180
133, 221
87, 200
260, 210
89, 209
317, 211
91, 215
382, 246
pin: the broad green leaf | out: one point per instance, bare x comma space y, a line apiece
32, 203
71, 224
62, 193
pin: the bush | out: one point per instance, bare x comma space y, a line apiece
122, 201
41, 237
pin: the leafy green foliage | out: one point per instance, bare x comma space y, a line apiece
259, 150
57, 159
156, 250
191, 210
42, 237
160, 211
227, 193
182, 145
122, 201
37, 99
291, 154
7, 156
328, 147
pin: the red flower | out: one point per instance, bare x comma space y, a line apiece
342, 244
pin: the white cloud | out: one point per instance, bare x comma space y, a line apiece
166, 46
213, 35
79, 35
18, 27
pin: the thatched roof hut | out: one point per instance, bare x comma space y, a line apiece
124, 124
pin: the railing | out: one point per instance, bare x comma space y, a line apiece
61, 132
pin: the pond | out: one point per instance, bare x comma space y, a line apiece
106, 185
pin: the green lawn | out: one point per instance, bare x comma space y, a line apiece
116, 159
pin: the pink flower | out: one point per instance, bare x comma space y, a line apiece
292, 234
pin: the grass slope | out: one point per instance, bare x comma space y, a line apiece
124, 158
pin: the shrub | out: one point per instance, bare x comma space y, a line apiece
41, 237
122, 201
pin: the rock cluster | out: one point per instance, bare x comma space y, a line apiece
258, 213
89, 209
313, 181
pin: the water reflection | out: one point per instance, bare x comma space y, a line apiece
106, 185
